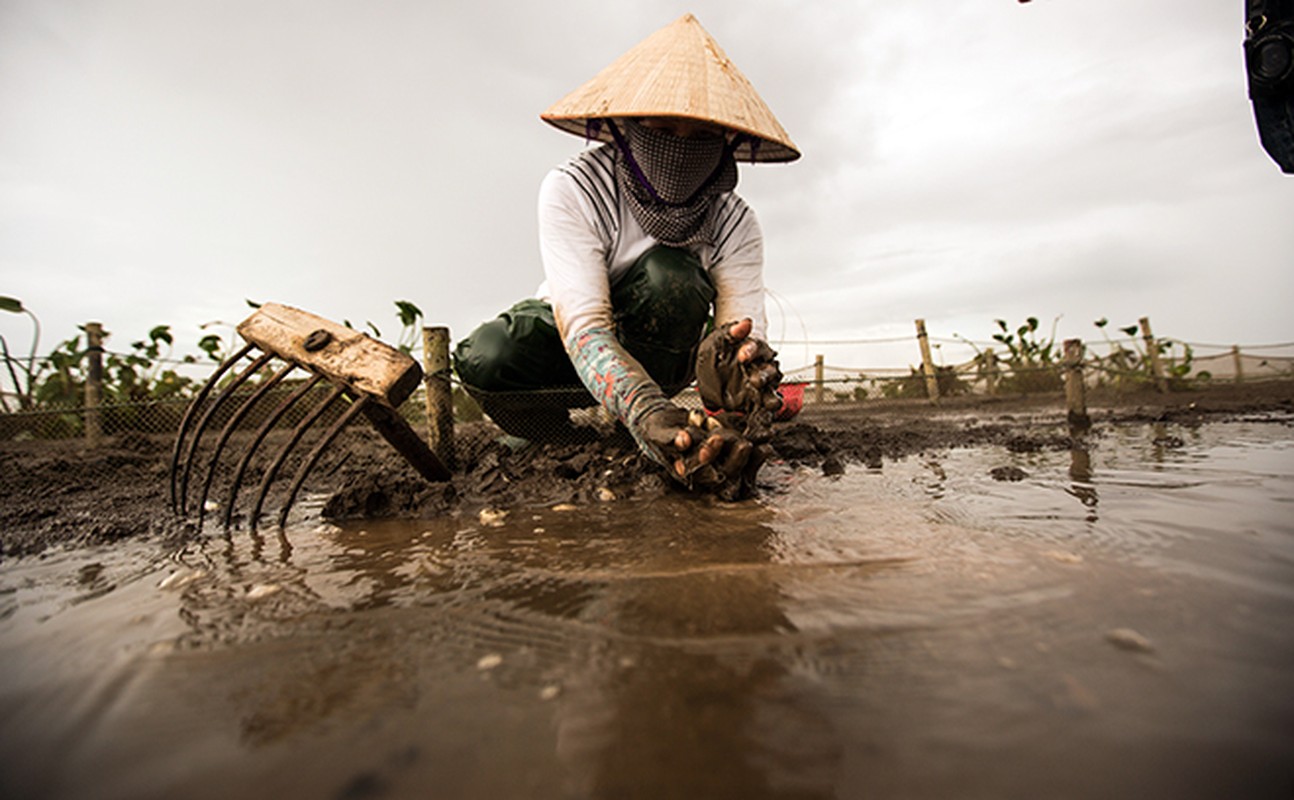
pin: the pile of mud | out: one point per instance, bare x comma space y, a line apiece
55, 493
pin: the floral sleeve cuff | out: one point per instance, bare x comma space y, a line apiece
617, 381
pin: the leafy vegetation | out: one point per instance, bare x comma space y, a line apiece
1132, 367
21, 371
1034, 363
136, 382
146, 375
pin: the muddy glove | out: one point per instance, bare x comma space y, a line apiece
738, 373
701, 453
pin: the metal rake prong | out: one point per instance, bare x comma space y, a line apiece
266, 427
375, 378
235, 420
355, 408
193, 408
224, 395
297, 433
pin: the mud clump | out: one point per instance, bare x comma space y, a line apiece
1008, 473
66, 493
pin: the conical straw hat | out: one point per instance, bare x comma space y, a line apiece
679, 71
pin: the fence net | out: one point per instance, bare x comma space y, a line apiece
30, 418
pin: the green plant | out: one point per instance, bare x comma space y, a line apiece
1179, 371
409, 315
53, 387
139, 376
1033, 362
24, 385
133, 382
54, 382
1131, 367
58, 378
1120, 366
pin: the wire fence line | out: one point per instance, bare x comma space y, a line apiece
201, 364
979, 346
154, 406
983, 343
1016, 361
1221, 365
206, 364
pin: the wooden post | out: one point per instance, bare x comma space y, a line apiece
1152, 352
1239, 362
440, 397
1075, 391
927, 363
990, 371
819, 378
93, 381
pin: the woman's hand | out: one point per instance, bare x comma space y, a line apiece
736, 372
701, 452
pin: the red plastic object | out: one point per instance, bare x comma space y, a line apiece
792, 401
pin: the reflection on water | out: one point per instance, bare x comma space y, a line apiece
1082, 488
1113, 622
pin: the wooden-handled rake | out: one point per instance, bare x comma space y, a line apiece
367, 377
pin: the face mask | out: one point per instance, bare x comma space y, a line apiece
670, 182
675, 167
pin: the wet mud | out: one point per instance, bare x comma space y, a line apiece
971, 601
63, 493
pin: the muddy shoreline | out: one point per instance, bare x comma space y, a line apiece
63, 493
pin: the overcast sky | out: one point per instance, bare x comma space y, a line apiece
964, 160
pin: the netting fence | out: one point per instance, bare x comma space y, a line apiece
56, 397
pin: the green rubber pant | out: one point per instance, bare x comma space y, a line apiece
661, 308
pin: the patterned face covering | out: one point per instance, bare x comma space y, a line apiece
671, 181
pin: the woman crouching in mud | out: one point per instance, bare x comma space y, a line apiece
643, 243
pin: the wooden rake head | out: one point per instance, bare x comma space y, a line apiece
367, 377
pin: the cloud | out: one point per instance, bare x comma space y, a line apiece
962, 161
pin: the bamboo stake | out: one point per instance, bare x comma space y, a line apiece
1239, 362
93, 382
990, 371
927, 363
1152, 351
440, 399
1075, 391
819, 379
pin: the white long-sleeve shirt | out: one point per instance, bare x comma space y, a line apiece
588, 237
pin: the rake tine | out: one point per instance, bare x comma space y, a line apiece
234, 420
285, 547
373, 378
297, 433
264, 430
224, 395
355, 408
193, 408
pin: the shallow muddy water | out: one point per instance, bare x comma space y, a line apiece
1109, 622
